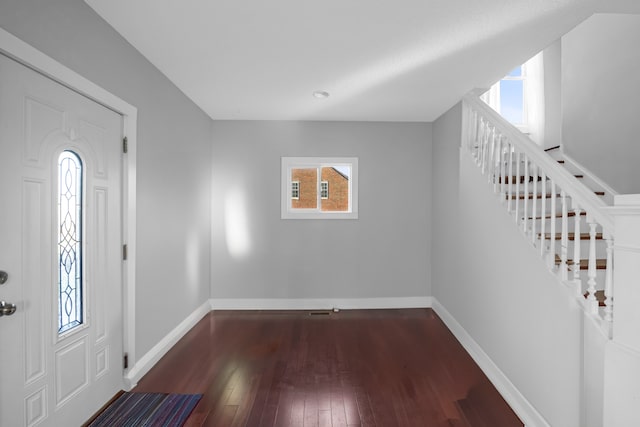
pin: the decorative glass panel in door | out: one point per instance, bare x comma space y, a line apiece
70, 252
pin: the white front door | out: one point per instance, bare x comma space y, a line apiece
60, 245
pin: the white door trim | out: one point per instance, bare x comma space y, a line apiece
27, 55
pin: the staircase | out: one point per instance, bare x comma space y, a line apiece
558, 206
571, 220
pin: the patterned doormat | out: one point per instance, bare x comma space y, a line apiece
147, 409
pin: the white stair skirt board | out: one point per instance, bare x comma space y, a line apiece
521, 406
318, 303
146, 362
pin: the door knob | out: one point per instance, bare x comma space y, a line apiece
7, 309
3, 277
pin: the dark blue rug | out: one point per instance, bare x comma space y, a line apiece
147, 409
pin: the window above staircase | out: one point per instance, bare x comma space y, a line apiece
519, 97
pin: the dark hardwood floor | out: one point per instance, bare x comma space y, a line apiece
353, 368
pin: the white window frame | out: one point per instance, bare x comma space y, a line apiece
324, 190
289, 163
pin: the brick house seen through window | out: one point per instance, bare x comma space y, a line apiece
319, 188
334, 189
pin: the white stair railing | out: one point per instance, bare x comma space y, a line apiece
541, 194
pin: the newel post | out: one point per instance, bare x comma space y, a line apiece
622, 354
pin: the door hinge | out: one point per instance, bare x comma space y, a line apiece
124, 252
125, 361
125, 145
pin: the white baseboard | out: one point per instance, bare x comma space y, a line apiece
146, 362
521, 406
318, 303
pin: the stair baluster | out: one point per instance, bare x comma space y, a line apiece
576, 249
543, 216
497, 167
479, 136
485, 154
525, 219
503, 169
510, 195
608, 285
495, 161
478, 142
517, 195
491, 159
534, 203
473, 140
551, 256
564, 238
483, 139
592, 302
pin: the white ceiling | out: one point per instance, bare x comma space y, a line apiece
380, 60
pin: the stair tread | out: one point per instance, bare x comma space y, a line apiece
521, 179
583, 236
569, 214
530, 196
601, 263
514, 178
521, 196
600, 297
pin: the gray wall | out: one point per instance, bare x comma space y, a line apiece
601, 98
173, 156
552, 58
489, 277
384, 253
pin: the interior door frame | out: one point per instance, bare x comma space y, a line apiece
27, 55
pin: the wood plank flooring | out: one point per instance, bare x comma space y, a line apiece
362, 368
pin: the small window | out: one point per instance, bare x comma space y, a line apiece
324, 189
509, 97
512, 105
314, 187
